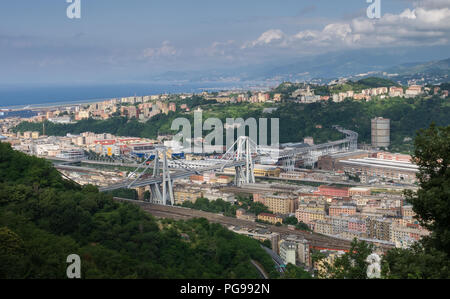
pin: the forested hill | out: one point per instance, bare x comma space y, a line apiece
43, 219
287, 88
297, 121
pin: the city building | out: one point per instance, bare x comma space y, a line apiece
379, 228
278, 204
332, 191
395, 91
307, 215
274, 219
244, 215
413, 90
343, 209
186, 194
358, 191
71, 154
322, 227
266, 171
288, 252
356, 224
330, 257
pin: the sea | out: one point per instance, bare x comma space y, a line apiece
19, 97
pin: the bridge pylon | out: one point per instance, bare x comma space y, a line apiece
160, 192
244, 174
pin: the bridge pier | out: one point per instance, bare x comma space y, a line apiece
141, 193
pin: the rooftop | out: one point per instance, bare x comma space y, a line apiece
381, 163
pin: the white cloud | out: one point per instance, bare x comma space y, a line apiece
225, 50
427, 23
269, 37
166, 50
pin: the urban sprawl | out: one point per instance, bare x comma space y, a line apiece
344, 193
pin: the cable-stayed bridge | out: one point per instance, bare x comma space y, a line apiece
157, 173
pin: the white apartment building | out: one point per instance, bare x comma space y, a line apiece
288, 252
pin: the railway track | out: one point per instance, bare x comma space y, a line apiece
178, 213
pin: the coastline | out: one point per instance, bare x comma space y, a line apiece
33, 107
89, 94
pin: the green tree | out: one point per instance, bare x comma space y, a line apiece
431, 202
43, 219
415, 263
290, 220
351, 265
303, 226
294, 272
12, 254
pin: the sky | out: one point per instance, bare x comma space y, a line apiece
130, 40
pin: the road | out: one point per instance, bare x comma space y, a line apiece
260, 269
179, 213
276, 259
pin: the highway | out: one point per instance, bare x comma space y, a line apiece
178, 174
178, 213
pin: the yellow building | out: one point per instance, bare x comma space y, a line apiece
186, 195
82, 115
35, 135
266, 171
318, 207
279, 204
307, 216
407, 211
277, 97
330, 258
259, 171
270, 218
224, 179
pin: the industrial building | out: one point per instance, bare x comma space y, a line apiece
330, 162
403, 172
381, 130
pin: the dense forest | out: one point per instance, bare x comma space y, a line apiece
297, 121
44, 218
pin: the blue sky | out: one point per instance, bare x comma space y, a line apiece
117, 41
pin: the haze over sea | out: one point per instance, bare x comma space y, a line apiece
16, 96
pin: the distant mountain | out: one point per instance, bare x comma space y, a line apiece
440, 67
432, 72
355, 64
358, 64
329, 66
